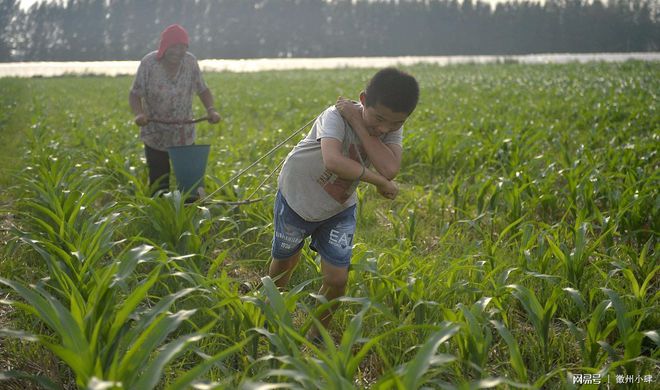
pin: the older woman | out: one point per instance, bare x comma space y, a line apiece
161, 100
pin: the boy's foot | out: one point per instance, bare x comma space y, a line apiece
245, 288
160, 193
315, 339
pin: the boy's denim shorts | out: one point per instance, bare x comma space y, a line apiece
331, 238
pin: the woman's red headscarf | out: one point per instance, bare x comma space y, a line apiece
171, 36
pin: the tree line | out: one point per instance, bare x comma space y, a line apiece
83, 30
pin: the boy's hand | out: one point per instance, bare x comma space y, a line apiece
388, 190
349, 109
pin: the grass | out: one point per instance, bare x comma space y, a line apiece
521, 250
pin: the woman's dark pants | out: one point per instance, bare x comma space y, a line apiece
158, 163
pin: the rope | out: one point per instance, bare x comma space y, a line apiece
346, 128
249, 199
239, 174
265, 180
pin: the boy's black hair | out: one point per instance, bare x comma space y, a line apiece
394, 89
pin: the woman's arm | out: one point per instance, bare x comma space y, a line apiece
207, 100
136, 106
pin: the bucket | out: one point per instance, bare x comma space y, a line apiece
189, 163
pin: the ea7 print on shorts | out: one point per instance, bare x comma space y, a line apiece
331, 238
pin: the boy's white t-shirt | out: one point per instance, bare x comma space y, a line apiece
312, 191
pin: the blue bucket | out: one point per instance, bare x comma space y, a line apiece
189, 163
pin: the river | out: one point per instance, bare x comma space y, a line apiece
114, 68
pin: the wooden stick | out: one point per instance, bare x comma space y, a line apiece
234, 203
184, 122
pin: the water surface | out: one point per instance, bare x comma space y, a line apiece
114, 68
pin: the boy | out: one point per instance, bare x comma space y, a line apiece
316, 195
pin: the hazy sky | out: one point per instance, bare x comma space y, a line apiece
25, 4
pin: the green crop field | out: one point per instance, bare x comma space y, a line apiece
521, 252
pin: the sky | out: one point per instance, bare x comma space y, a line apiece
25, 4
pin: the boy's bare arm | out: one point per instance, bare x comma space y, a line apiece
349, 169
386, 158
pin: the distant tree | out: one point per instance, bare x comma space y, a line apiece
645, 36
212, 35
143, 27
8, 11
306, 41
341, 28
128, 29
116, 30
84, 28
43, 33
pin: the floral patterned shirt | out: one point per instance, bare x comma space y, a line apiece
168, 98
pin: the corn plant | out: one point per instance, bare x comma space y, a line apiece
540, 315
173, 224
515, 357
640, 273
61, 197
285, 340
514, 192
335, 366
75, 246
474, 340
593, 337
575, 260
630, 335
509, 171
72, 236
412, 375
109, 337
637, 209
495, 283
120, 168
